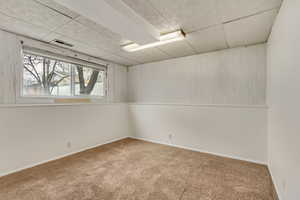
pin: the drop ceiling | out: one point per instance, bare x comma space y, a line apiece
209, 24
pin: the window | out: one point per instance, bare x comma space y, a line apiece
89, 81
49, 77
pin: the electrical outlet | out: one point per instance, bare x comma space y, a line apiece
69, 145
170, 137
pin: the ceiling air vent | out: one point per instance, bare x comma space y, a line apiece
60, 42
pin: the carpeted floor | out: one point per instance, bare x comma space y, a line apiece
137, 170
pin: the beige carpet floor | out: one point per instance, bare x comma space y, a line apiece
137, 170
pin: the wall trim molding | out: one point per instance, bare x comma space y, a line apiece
62, 156
201, 105
200, 150
130, 104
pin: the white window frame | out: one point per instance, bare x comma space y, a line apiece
51, 99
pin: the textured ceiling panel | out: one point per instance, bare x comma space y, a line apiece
148, 55
16, 26
136, 57
209, 39
151, 14
190, 15
178, 49
58, 8
33, 13
235, 9
100, 29
251, 30
86, 35
210, 25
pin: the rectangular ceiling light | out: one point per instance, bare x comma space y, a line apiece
163, 39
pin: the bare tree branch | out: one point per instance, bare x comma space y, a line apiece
33, 74
57, 82
60, 80
52, 72
33, 66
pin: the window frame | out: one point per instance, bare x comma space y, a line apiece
69, 60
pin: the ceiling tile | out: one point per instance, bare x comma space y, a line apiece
235, 9
147, 55
16, 26
88, 36
115, 59
134, 56
126, 60
190, 15
145, 9
58, 8
177, 49
154, 54
33, 13
98, 28
208, 39
251, 30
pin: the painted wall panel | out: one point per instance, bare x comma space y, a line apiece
234, 76
34, 134
283, 101
238, 132
10, 57
173, 97
120, 83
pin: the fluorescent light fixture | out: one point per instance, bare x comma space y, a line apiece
163, 39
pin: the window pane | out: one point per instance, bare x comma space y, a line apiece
46, 77
89, 81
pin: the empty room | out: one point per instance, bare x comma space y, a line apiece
149, 99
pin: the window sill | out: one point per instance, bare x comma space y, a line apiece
59, 104
60, 100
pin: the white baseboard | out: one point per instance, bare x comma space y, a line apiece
114, 140
274, 183
62, 156
199, 150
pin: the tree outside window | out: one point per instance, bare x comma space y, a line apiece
44, 76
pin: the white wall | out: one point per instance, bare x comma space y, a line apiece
117, 83
9, 51
212, 102
234, 76
238, 132
283, 100
31, 134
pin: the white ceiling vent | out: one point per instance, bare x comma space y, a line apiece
62, 43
